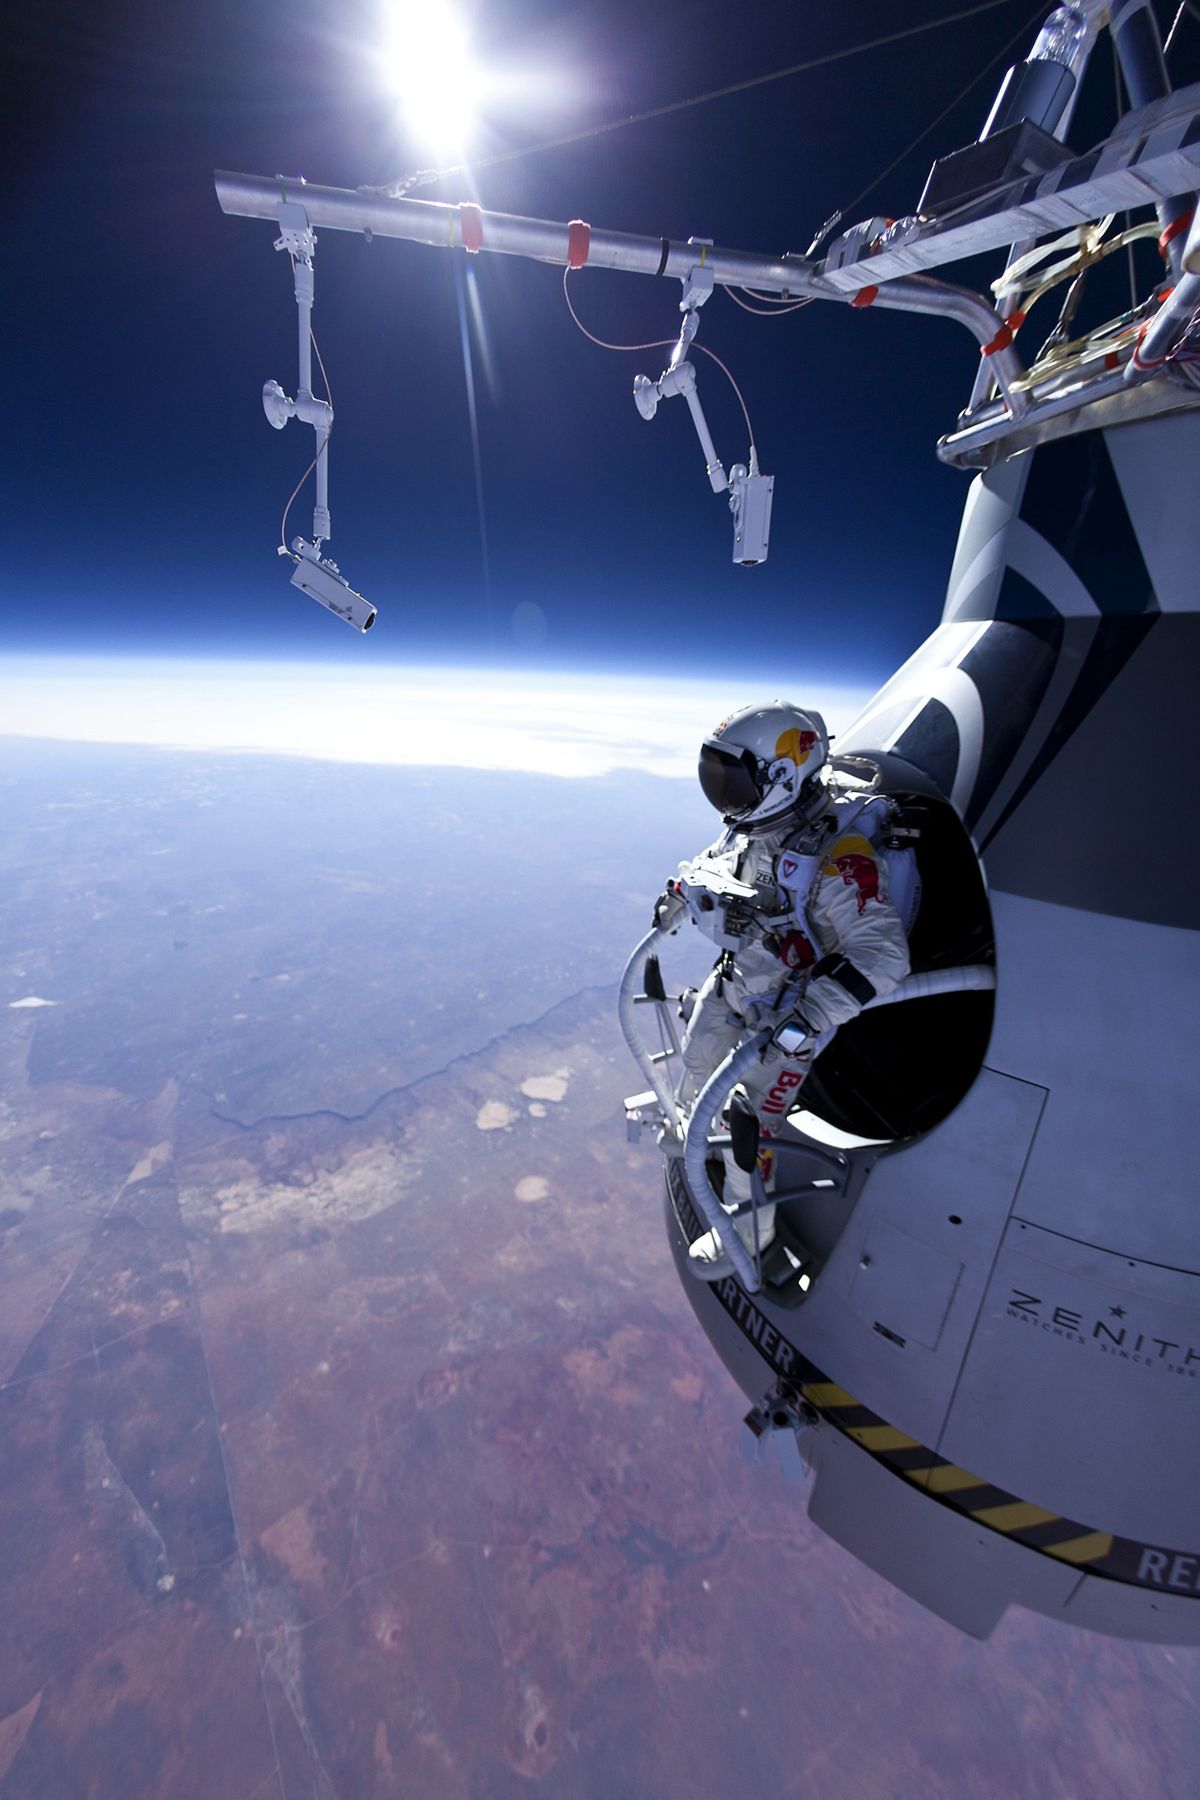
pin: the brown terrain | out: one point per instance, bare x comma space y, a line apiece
383, 1456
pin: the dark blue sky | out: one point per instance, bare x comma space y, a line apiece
145, 486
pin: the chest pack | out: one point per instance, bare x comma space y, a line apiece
798, 864
735, 892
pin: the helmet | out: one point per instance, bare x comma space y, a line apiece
758, 765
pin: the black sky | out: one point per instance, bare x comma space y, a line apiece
144, 486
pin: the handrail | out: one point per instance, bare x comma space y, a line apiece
971, 978
709, 1101
631, 983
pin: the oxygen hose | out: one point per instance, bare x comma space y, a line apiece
975, 978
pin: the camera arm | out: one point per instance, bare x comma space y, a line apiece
314, 575
749, 491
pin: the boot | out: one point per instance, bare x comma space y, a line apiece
708, 1259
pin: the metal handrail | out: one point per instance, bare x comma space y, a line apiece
628, 995
743, 1057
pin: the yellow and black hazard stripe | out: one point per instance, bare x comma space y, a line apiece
1098, 1552
967, 1493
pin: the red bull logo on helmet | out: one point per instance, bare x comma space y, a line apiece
796, 746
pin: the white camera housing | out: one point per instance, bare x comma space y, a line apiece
321, 580
750, 499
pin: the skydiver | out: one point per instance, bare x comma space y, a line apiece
799, 887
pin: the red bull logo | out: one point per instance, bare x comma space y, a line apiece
854, 861
782, 1093
860, 872
796, 745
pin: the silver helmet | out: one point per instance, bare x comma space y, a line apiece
758, 767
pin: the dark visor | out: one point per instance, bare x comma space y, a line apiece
727, 777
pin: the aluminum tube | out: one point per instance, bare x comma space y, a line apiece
304, 304
705, 1113
925, 294
1077, 55
305, 320
631, 984
999, 424
714, 468
322, 526
1139, 51
1191, 248
440, 225
1164, 330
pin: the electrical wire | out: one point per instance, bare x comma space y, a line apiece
784, 300
837, 217
1185, 6
713, 357
422, 177
657, 344
767, 312
1120, 104
663, 344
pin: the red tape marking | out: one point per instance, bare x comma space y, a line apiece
864, 296
579, 242
470, 225
1139, 362
1174, 229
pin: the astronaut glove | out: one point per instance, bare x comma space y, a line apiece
795, 1037
669, 907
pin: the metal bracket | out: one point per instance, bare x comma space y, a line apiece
779, 1419
698, 282
296, 235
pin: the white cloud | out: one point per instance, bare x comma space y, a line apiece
541, 723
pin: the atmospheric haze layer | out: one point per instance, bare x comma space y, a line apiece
358, 1440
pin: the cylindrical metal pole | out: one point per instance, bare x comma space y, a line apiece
1064, 44
304, 305
322, 525
1139, 50
441, 226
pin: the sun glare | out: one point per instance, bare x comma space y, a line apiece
431, 68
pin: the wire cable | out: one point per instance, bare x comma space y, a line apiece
1119, 96
712, 355
1185, 6
837, 217
422, 177
656, 344
767, 312
662, 344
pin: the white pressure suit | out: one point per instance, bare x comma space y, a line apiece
814, 940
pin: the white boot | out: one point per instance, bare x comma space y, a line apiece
708, 1259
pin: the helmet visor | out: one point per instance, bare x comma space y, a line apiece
728, 777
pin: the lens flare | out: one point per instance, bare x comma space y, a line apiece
431, 69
